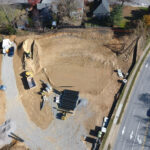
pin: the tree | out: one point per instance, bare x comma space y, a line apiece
65, 8
122, 1
116, 16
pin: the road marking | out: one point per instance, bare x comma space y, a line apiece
136, 134
139, 139
131, 135
123, 130
146, 133
146, 65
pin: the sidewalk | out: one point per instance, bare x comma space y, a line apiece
115, 128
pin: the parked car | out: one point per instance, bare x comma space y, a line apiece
105, 122
120, 74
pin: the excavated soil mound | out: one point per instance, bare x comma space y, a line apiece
76, 60
30, 97
32, 64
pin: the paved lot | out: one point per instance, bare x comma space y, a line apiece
135, 127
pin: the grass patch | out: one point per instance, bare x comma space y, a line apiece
111, 121
144, 8
123, 23
107, 133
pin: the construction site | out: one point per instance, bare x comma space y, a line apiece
58, 87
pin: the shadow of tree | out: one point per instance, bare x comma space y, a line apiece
145, 98
136, 16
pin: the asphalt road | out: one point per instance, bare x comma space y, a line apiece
135, 3
134, 132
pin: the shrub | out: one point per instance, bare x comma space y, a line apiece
116, 16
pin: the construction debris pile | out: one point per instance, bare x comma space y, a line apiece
6, 130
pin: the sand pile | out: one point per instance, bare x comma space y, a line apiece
32, 64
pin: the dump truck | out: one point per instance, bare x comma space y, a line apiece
8, 47
30, 80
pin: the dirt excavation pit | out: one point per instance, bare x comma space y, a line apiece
76, 60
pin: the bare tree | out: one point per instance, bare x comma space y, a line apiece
65, 8
123, 1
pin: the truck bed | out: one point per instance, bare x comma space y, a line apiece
31, 82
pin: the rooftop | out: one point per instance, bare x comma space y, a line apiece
69, 99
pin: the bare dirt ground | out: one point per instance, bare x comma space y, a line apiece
127, 10
78, 61
74, 59
31, 99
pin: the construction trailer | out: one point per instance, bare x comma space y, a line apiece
67, 102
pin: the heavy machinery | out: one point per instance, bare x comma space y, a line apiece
30, 80
45, 90
2, 87
8, 47
64, 115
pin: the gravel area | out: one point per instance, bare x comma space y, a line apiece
60, 135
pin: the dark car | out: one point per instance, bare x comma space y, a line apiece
11, 52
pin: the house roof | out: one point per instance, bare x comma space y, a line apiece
103, 8
13, 1
69, 99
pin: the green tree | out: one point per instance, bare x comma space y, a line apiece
65, 7
116, 16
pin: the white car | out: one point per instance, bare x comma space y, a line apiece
105, 122
119, 72
103, 129
124, 81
